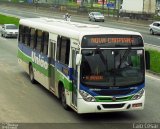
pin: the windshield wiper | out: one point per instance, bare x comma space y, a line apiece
125, 55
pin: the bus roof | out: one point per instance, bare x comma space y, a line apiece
71, 29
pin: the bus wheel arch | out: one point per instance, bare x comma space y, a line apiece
62, 95
31, 73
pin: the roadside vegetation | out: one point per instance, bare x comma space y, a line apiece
156, 18
154, 60
8, 20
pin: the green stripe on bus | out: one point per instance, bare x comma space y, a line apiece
66, 82
24, 57
28, 59
109, 99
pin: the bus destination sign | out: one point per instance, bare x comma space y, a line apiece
112, 41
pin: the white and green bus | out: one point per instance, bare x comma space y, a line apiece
89, 67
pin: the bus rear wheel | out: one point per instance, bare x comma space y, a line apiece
31, 74
63, 99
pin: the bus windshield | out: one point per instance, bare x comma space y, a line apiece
106, 67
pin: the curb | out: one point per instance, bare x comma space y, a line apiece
153, 73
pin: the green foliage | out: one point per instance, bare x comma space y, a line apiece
156, 18
72, 4
154, 61
8, 20
15, 1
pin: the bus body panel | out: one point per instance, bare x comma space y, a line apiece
50, 72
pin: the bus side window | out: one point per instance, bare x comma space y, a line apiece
20, 33
58, 48
26, 35
39, 37
32, 38
44, 48
65, 50
23, 34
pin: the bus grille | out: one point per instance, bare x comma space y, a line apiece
113, 105
114, 92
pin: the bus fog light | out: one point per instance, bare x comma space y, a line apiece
137, 105
87, 97
138, 95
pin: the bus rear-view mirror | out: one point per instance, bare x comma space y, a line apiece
78, 59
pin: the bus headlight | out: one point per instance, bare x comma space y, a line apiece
138, 95
87, 97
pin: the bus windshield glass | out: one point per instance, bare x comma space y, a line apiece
89, 41
116, 67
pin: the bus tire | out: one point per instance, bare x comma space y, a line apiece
31, 74
63, 98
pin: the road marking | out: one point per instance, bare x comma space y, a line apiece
153, 77
158, 38
126, 28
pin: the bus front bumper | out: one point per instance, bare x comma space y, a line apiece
97, 107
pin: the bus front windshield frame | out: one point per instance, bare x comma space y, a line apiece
112, 67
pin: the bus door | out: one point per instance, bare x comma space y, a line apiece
74, 77
52, 65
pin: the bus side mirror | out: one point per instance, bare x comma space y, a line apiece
78, 59
147, 59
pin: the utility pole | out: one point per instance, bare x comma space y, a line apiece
82, 2
36, 4
118, 9
103, 6
91, 3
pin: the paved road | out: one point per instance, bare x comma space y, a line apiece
32, 12
23, 102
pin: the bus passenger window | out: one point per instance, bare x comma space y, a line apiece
67, 51
64, 49
32, 38
58, 48
45, 43
38, 40
26, 35
21, 28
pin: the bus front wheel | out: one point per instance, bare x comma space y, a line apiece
63, 99
31, 74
